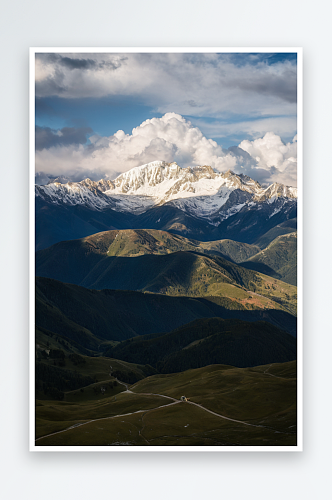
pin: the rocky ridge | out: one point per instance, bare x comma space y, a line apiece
198, 191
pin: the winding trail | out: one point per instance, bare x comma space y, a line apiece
174, 402
106, 418
227, 418
271, 374
126, 386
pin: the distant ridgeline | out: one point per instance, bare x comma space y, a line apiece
197, 203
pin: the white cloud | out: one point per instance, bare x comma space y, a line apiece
270, 151
272, 155
170, 138
192, 84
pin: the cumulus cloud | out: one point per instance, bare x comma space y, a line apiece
169, 138
279, 160
206, 84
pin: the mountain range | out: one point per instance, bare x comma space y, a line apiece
195, 202
198, 190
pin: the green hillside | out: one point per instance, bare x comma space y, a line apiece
235, 251
179, 273
85, 321
134, 243
289, 226
209, 341
278, 259
61, 375
138, 242
227, 407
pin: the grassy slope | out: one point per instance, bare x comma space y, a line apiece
92, 373
135, 243
46, 339
289, 226
85, 262
278, 259
251, 395
210, 341
230, 249
89, 319
100, 367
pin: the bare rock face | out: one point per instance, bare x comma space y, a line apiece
147, 176
279, 190
105, 185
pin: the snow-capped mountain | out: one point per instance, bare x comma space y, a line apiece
195, 202
198, 191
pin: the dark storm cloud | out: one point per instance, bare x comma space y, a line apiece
72, 63
63, 74
47, 137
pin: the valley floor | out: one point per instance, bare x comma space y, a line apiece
226, 406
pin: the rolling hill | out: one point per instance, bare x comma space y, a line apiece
278, 259
209, 341
289, 226
87, 262
137, 242
87, 320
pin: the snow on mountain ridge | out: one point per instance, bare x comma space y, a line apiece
199, 190
166, 181
73, 193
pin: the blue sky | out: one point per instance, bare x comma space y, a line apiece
104, 115
231, 98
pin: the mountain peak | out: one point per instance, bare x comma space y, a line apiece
198, 190
229, 173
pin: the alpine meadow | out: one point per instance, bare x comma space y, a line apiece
166, 250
